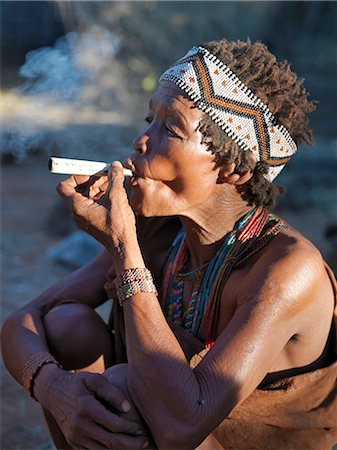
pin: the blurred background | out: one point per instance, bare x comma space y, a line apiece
75, 81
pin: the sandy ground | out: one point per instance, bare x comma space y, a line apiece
28, 196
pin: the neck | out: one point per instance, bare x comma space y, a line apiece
206, 228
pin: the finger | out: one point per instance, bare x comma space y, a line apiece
108, 392
116, 193
104, 432
116, 175
81, 179
73, 182
124, 441
101, 182
115, 423
98, 188
90, 408
92, 444
103, 439
117, 165
67, 186
128, 442
67, 190
87, 444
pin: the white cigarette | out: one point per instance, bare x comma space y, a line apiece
80, 167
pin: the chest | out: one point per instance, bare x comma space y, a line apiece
186, 302
230, 299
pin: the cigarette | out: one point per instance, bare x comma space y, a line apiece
68, 166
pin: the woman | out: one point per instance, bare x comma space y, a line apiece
226, 331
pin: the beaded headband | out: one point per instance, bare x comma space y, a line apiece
218, 92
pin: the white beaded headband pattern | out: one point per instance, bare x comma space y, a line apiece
218, 92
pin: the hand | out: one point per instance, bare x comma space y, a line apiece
88, 409
108, 217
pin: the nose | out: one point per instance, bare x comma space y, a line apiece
140, 144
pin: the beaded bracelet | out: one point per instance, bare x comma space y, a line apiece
32, 367
131, 281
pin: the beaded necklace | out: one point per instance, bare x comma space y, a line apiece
250, 233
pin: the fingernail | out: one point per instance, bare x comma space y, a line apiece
145, 444
125, 406
141, 432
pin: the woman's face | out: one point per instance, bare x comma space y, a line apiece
174, 172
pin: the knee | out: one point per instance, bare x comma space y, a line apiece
118, 376
77, 336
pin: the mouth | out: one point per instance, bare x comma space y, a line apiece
129, 164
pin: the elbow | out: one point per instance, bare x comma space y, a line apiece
7, 326
169, 430
7, 331
11, 328
173, 424
187, 432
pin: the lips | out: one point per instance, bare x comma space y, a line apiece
129, 163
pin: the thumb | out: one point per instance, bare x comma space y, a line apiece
116, 175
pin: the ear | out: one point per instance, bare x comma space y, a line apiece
228, 175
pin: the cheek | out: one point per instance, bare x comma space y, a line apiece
155, 198
161, 167
144, 196
194, 182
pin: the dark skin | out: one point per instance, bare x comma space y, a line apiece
276, 310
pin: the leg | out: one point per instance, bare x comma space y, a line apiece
78, 338
80, 341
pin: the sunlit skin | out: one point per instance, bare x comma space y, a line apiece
275, 314
168, 151
176, 174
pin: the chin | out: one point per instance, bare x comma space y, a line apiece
153, 203
146, 208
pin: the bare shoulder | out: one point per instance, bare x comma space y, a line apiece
289, 264
293, 242
290, 279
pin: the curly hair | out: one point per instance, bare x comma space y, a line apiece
277, 86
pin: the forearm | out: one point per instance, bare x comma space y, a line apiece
158, 370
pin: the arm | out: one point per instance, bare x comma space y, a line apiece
191, 403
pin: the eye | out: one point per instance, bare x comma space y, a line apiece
172, 133
148, 119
